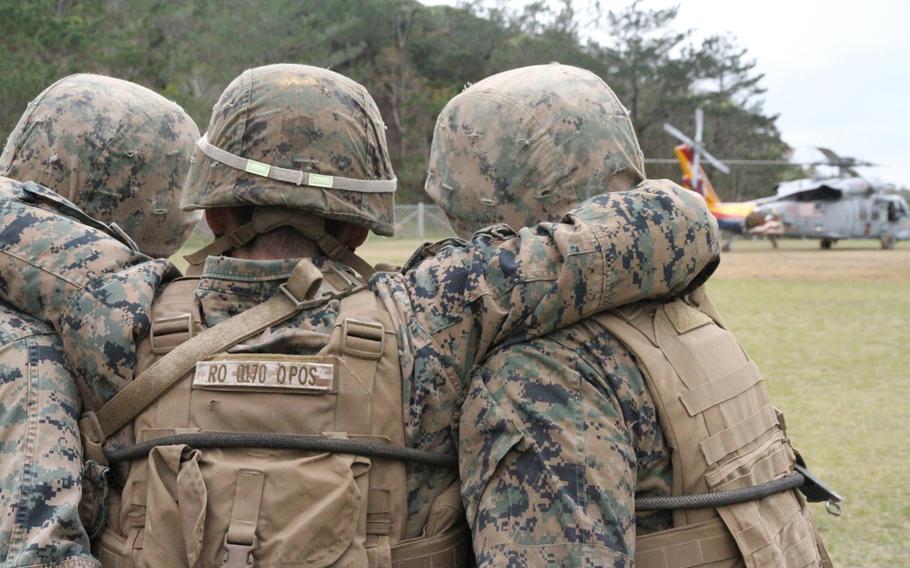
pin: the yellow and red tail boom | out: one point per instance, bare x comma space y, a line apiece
730, 216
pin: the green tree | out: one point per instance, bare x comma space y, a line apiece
40, 42
412, 58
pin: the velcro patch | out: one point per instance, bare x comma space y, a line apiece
684, 317
293, 374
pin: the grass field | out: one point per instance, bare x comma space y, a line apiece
831, 332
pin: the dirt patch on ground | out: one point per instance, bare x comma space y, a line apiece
803, 260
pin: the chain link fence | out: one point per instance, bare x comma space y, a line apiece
417, 221
421, 221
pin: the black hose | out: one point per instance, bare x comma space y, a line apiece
283, 442
374, 449
720, 498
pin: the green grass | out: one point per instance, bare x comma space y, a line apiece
836, 356
831, 333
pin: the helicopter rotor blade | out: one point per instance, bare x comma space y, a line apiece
672, 131
833, 159
696, 151
715, 162
696, 169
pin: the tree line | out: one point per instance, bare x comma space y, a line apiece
413, 58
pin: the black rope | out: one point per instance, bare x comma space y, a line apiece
721, 498
283, 442
204, 440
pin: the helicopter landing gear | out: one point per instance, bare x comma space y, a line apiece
826, 244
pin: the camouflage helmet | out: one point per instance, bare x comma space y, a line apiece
118, 150
529, 144
300, 138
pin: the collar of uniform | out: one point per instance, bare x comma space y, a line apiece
245, 270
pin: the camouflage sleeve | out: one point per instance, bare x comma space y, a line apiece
95, 290
556, 437
40, 452
655, 241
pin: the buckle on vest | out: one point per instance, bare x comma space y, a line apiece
362, 339
92, 438
237, 555
298, 304
168, 332
815, 490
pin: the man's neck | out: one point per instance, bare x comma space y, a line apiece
276, 246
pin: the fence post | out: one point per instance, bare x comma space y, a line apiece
420, 221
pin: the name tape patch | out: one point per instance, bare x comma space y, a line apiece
297, 376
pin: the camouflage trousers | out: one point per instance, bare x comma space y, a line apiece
41, 467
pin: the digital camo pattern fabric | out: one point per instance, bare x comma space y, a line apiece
558, 434
455, 299
118, 150
277, 115
58, 257
557, 437
529, 144
40, 451
454, 302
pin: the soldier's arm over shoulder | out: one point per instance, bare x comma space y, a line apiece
83, 282
653, 242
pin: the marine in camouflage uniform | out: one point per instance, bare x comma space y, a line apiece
120, 151
451, 304
114, 148
559, 435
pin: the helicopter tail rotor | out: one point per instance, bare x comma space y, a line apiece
698, 148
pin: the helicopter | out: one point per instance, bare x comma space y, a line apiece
846, 206
826, 208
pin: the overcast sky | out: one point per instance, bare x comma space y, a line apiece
837, 72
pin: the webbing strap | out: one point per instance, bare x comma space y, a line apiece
297, 177
333, 249
706, 395
235, 239
737, 436
266, 219
692, 545
805, 552
247, 502
684, 318
448, 550
166, 372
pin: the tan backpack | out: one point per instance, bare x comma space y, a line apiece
724, 434
271, 459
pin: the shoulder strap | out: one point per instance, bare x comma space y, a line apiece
167, 371
266, 219
175, 316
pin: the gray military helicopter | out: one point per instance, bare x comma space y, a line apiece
846, 206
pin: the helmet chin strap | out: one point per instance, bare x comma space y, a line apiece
265, 219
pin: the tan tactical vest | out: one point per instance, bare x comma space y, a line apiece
724, 434
255, 506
